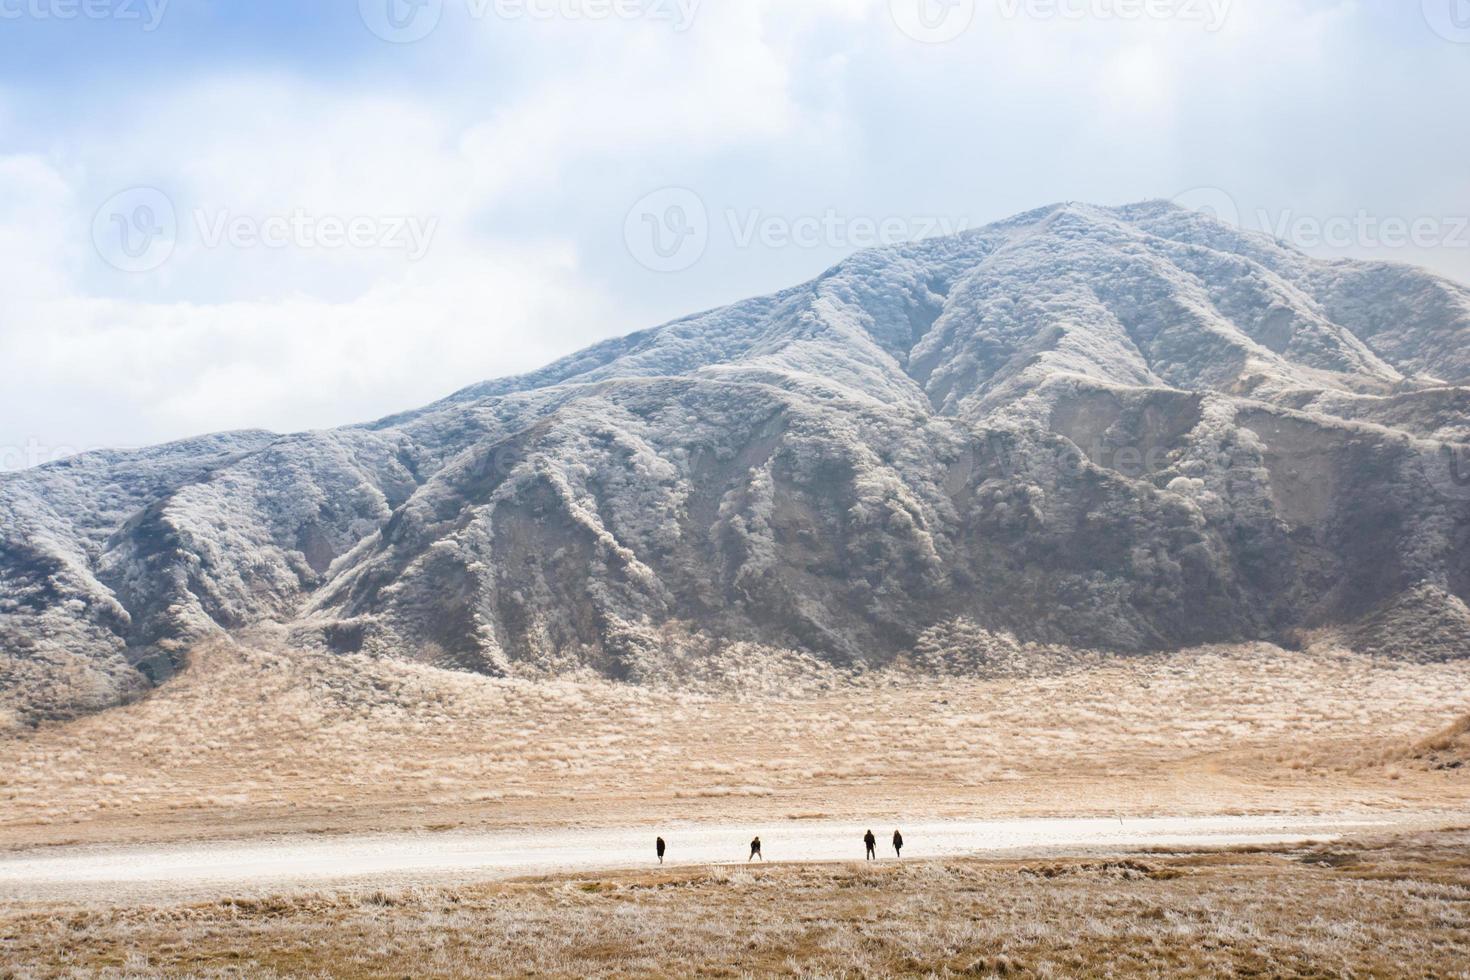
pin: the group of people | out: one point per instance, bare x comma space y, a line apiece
869, 841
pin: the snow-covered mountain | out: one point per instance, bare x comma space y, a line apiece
1120, 428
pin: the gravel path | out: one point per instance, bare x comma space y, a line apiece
107, 874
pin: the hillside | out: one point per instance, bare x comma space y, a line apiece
1125, 429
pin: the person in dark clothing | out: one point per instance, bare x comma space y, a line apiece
755, 851
871, 843
659, 846
897, 844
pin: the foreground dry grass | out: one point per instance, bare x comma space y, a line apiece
248, 741
1369, 908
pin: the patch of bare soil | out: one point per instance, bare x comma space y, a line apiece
1446, 750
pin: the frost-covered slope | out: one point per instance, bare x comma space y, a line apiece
1120, 428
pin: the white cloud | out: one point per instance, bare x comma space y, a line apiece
296, 362
527, 142
36, 245
276, 338
293, 337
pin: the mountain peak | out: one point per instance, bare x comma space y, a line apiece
1122, 427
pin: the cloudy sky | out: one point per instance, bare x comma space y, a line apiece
282, 214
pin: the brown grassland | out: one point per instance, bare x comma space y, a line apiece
253, 742
249, 742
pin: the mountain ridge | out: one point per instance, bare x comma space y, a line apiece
1125, 428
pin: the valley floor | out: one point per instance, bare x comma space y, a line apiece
279, 865
1396, 906
283, 774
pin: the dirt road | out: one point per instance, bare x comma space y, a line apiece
108, 874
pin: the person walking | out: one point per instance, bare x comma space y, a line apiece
897, 844
871, 843
659, 846
755, 851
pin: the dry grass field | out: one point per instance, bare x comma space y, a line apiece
249, 741
253, 742
1389, 907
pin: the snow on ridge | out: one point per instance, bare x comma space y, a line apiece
1124, 428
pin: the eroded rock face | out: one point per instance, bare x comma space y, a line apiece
1123, 429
